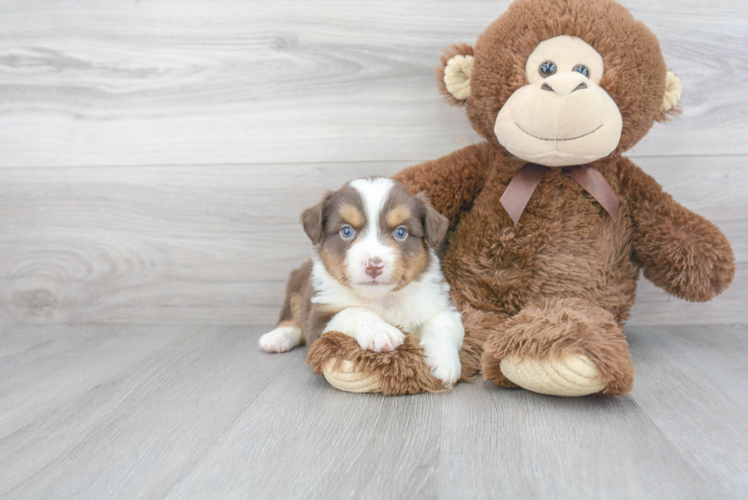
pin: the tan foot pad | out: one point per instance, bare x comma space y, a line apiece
571, 376
347, 379
348, 367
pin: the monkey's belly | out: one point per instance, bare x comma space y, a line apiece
509, 269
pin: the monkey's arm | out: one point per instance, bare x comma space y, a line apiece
452, 182
681, 251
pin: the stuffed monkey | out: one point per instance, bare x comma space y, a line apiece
550, 223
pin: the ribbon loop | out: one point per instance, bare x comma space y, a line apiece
594, 183
519, 190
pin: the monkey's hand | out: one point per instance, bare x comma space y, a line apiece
681, 251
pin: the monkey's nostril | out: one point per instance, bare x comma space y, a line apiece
580, 87
547, 87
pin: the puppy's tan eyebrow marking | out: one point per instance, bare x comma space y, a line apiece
351, 215
398, 215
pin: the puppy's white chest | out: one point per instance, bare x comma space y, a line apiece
408, 308
397, 313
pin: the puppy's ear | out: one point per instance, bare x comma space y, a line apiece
435, 225
313, 220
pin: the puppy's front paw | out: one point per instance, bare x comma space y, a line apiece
281, 339
379, 337
444, 363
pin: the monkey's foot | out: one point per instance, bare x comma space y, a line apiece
561, 347
345, 377
573, 375
348, 367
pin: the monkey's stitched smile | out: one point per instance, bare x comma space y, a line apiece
571, 139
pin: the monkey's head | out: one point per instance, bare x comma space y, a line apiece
562, 82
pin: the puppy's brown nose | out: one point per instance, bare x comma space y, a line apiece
374, 267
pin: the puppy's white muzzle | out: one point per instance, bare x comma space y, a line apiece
370, 265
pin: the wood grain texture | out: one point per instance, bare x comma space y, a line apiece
155, 155
216, 243
202, 413
224, 81
75, 359
695, 391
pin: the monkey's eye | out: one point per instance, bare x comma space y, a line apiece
401, 233
347, 232
547, 69
580, 68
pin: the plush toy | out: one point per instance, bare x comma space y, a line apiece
551, 225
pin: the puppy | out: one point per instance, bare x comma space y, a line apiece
374, 275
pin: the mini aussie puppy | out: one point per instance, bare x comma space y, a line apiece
374, 275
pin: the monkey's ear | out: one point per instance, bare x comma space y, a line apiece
313, 220
673, 92
453, 76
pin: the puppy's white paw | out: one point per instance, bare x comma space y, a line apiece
281, 339
444, 362
379, 336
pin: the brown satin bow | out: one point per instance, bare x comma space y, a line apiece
520, 189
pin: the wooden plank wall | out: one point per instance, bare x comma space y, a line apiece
155, 154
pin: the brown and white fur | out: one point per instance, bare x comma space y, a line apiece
374, 274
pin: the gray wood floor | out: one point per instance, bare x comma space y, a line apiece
199, 412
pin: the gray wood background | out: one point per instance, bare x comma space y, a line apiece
155, 154
175, 411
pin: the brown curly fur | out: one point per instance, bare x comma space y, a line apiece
401, 371
681, 251
479, 326
561, 327
563, 280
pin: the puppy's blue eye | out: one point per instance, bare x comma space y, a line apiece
401, 233
347, 232
579, 68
